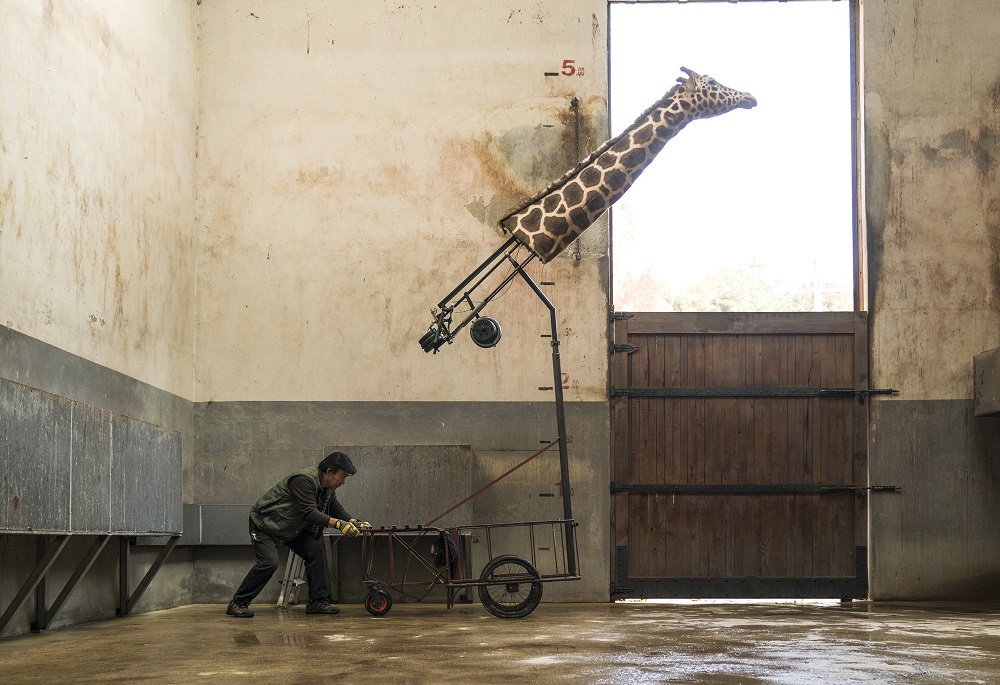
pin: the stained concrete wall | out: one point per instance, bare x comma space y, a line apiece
97, 182
353, 160
932, 142
97, 157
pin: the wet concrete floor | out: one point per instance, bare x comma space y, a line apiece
559, 643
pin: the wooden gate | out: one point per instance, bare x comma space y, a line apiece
740, 455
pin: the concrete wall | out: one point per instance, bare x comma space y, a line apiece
353, 160
97, 182
932, 124
97, 158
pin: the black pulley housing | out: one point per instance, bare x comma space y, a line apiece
485, 331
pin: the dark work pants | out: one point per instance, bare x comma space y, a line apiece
265, 547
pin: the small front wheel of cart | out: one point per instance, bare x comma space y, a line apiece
378, 605
510, 587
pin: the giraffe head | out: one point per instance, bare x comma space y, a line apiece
709, 98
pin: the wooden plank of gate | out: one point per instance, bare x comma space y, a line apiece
699, 505
673, 468
657, 378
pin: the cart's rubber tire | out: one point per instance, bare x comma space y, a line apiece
510, 587
379, 606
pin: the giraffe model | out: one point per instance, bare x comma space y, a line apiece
548, 222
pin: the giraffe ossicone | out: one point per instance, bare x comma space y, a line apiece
551, 220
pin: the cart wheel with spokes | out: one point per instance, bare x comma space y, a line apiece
510, 587
379, 604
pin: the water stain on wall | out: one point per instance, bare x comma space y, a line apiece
525, 159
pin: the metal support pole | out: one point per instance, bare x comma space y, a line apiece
81, 570
42, 588
560, 425
123, 561
146, 579
153, 570
43, 566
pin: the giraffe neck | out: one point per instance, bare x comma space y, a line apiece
554, 218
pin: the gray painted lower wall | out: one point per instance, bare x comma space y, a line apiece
231, 451
244, 447
38, 365
939, 536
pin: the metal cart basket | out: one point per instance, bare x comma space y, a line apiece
509, 585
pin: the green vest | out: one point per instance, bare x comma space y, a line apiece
277, 512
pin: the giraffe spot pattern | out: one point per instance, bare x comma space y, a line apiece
634, 157
532, 220
596, 201
579, 217
542, 243
556, 225
590, 177
643, 135
551, 203
607, 160
615, 179
573, 194
625, 143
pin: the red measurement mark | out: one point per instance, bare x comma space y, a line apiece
569, 68
568, 383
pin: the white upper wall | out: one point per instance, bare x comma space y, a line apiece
97, 141
353, 161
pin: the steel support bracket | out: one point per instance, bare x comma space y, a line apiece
34, 578
127, 602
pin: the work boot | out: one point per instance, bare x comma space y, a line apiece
321, 606
239, 610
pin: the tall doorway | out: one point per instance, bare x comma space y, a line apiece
741, 351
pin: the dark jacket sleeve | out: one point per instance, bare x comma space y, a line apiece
303, 492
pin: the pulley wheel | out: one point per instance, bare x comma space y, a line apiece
485, 332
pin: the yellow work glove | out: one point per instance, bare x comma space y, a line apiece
346, 528
364, 525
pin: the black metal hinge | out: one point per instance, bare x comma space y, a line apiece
624, 347
621, 316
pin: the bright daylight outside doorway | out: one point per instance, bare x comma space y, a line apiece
750, 212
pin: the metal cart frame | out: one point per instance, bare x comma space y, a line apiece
509, 586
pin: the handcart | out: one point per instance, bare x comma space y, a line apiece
509, 586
